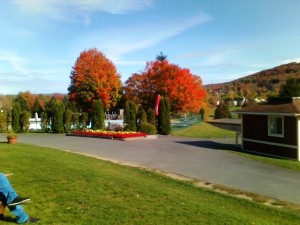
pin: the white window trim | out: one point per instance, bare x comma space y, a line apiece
269, 130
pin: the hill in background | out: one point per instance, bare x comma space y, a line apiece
259, 85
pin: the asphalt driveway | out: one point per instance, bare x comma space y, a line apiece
199, 159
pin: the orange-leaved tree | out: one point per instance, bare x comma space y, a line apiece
184, 90
94, 77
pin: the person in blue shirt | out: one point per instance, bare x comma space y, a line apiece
10, 198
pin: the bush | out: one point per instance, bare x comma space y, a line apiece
117, 127
222, 111
148, 128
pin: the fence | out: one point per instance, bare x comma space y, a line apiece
185, 121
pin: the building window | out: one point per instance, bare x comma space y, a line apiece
275, 126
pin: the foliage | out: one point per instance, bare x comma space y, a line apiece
23, 102
222, 111
262, 84
68, 118
161, 57
151, 118
85, 190
25, 123
44, 121
98, 115
16, 117
141, 117
202, 113
11, 134
130, 116
184, 90
58, 117
94, 77
291, 88
148, 128
164, 119
37, 106
3, 121
83, 120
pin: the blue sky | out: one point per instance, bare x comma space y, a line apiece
219, 40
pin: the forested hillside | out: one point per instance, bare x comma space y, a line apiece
262, 84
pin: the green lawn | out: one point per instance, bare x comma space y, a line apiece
72, 189
285, 163
202, 130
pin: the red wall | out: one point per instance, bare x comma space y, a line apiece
256, 127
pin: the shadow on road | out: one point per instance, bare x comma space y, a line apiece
212, 145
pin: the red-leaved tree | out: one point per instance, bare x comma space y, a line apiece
94, 77
184, 90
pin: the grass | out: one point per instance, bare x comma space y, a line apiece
67, 188
203, 130
285, 163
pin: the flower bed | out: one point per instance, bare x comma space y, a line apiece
109, 134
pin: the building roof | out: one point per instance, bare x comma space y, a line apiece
287, 106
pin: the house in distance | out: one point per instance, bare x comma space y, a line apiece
272, 128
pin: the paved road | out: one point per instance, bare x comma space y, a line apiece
194, 158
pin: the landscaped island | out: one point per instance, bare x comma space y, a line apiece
121, 135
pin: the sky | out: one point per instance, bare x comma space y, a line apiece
219, 40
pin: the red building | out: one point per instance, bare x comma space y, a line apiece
272, 128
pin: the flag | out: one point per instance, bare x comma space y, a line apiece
157, 105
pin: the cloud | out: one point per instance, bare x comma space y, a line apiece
16, 61
119, 41
59, 8
286, 61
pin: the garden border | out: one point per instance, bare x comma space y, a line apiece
147, 137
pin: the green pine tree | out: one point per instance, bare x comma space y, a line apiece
130, 116
58, 117
164, 119
25, 123
16, 117
291, 88
98, 116
222, 111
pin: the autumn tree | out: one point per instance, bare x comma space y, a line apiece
29, 98
183, 89
94, 77
23, 102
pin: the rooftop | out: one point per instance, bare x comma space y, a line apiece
289, 105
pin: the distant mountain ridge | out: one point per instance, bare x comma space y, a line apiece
262, 84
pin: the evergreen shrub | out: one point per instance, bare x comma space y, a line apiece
148, 128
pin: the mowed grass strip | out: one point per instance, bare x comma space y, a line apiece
202, 130
67, 188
